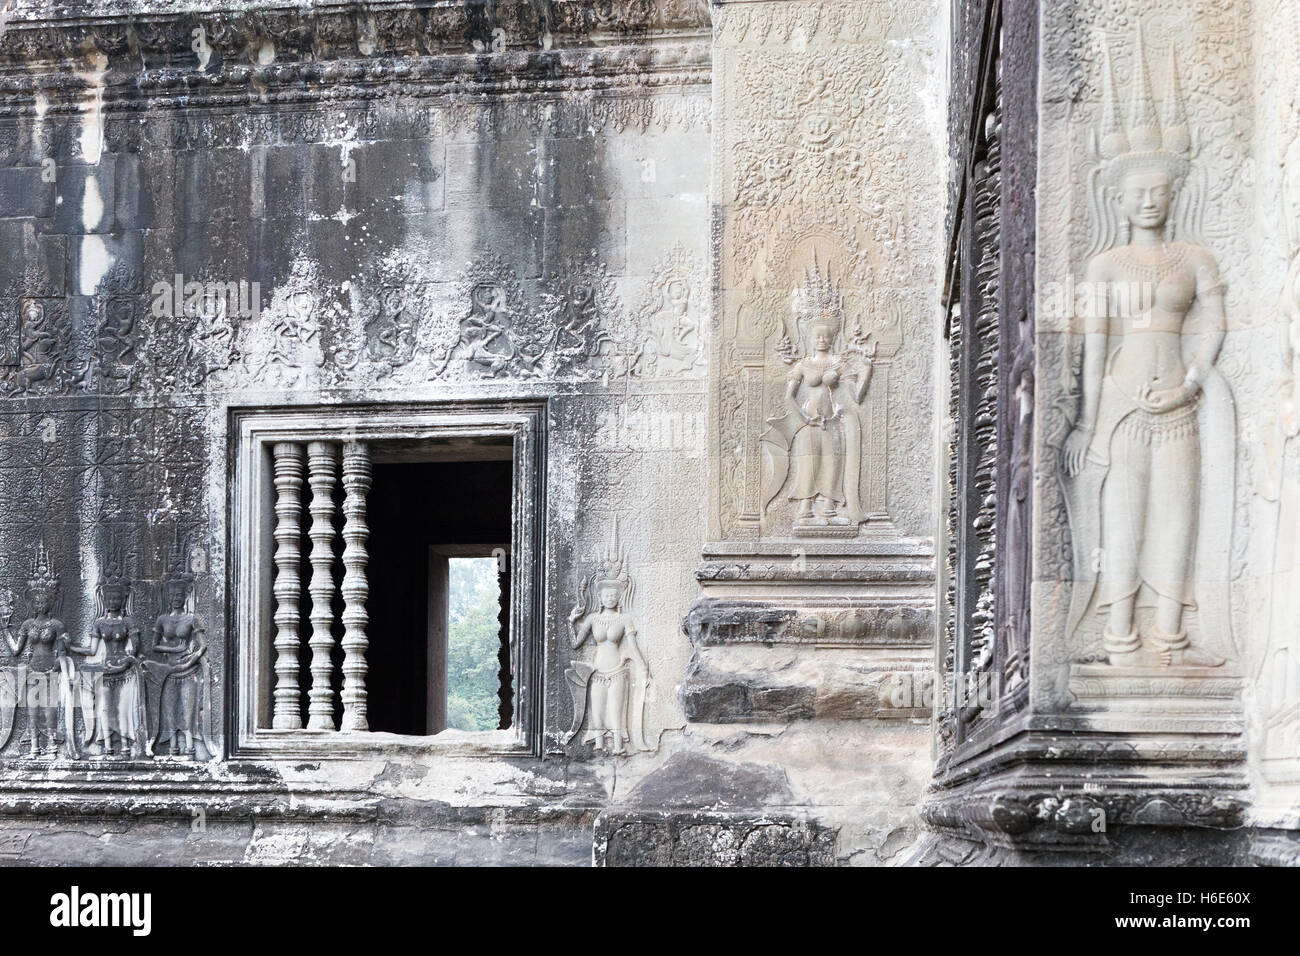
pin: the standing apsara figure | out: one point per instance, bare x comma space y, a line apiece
1018, 535
180, 670
41, 643
112, 655
610, 692
1279, 485
1143, 462
817, 443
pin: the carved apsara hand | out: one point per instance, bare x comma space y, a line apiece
1076, 450
1157, 400
576, 614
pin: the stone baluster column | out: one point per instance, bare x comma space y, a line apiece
356, 483
322, 468
288, 553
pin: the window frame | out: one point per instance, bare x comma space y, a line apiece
251, 604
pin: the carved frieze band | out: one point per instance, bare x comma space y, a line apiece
213, 56
194, 333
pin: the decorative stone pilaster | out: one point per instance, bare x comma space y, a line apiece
356, 485
288, 464
821, 517
1098, 584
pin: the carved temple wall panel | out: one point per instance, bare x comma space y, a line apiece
911, 384
820, 509
1154, 381
489, 221
1125, 632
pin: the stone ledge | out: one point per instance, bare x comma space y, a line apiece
486, 837
1077, 792
825, 623
1273, 847
1079, 815
727, 688
710, 838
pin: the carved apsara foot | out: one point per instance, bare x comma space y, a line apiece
1175, 650
1191, 657
1121, 651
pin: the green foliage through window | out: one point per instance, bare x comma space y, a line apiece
473, 640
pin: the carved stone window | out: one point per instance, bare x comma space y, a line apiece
344, 520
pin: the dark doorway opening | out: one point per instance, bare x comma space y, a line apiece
425, 518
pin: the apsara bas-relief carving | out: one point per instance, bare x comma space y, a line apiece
609, 689
42, 361
103, 694
578, 300
119, 332
493, 335
41, 679
1147, 463
671, 321
1017, 577
817, 444
817, 158
178, 668
107, 669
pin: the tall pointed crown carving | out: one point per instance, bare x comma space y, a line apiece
114, 579
178, 564
818, 300
612, 569
1144, 136
42, 576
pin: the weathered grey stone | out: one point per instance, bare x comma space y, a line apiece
785, 427
694, 780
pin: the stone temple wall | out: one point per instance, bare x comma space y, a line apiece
432, 204
1157, 718
782, 510
1219, 81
